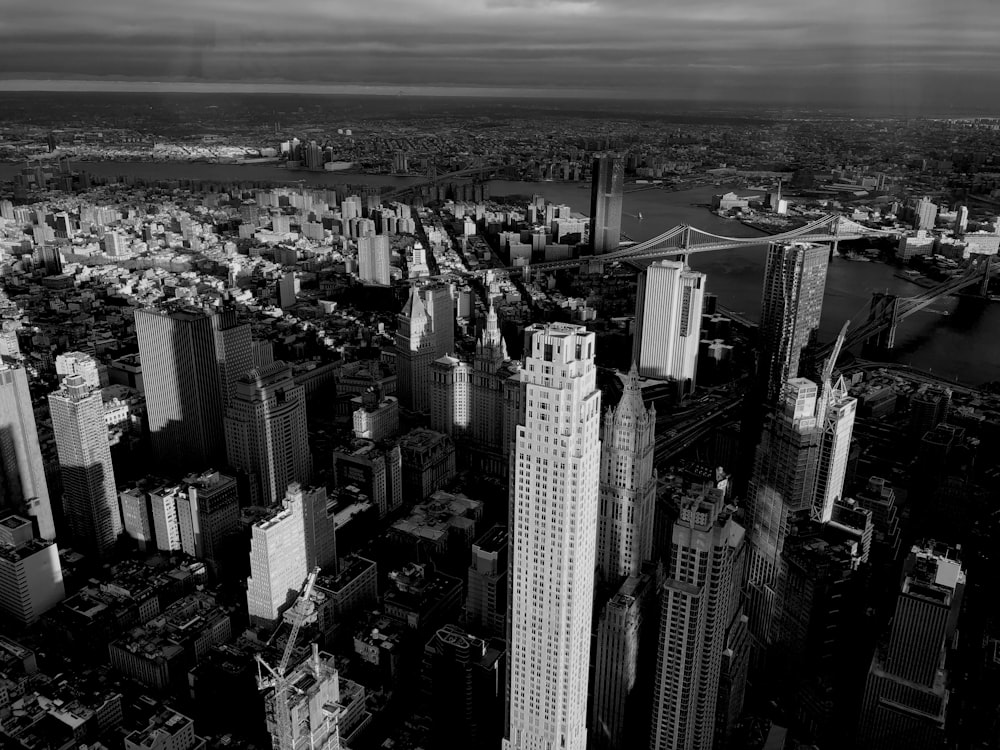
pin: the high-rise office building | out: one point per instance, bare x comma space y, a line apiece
906, 697
191, 360
698, 600
554, 502
90, 498
426, 332
668, 308
618, 719
209, 516
799, 469
31, 581
606, 191
961, 219
469, 398
486, 600
627, 486
23, 488
373, 259
284, 548
266, 435
925, 213
794, 282
463, 678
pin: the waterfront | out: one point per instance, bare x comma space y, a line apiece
961, 344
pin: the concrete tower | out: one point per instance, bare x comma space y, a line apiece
553, 532
23, 488
627, 486
90, 498
191, 360
668, 307
266, 433
698, 601
606, 191
794, 282
426, 332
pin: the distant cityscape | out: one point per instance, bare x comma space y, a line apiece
357, 448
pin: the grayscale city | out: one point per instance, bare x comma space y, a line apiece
500, 375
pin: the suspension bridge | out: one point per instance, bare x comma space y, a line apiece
888, 310
686, 240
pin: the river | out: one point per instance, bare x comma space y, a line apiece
955, 337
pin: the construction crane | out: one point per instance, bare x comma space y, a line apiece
302, 612
831, 361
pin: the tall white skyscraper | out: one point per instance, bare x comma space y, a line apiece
426, 332
553, 533
373, 259
23, 488
266, 435
698, 600
628, 486
31, 581
90, 498
668, 323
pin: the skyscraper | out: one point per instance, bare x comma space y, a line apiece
426, 332
606, 191
799, 469
486, 601
627, 486
312, 701
794, 281
616, 720
23, 488
31, 581
191, 360
90, 498
553, 529
906, 698
668, 308
266, 435
698, 600
373, 259
468, 398
284, 548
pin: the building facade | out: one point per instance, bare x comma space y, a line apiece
266, 435
698, 600
553, 531
23, 488
627, 486
668, 309
90, 497
191, 360
606, 191
794, 282
425, 332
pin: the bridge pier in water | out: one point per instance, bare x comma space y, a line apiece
884, 306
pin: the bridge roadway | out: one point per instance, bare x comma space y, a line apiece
684, 434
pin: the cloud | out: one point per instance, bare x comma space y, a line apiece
652, 48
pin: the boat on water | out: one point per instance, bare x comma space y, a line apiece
639, 216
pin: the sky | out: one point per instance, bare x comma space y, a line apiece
904, 53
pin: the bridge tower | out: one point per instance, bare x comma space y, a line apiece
835, 231
984, 288
884, 307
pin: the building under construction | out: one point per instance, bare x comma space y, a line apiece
312, 704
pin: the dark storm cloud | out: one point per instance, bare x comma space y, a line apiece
713, 48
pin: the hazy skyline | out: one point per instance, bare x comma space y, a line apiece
905, 53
